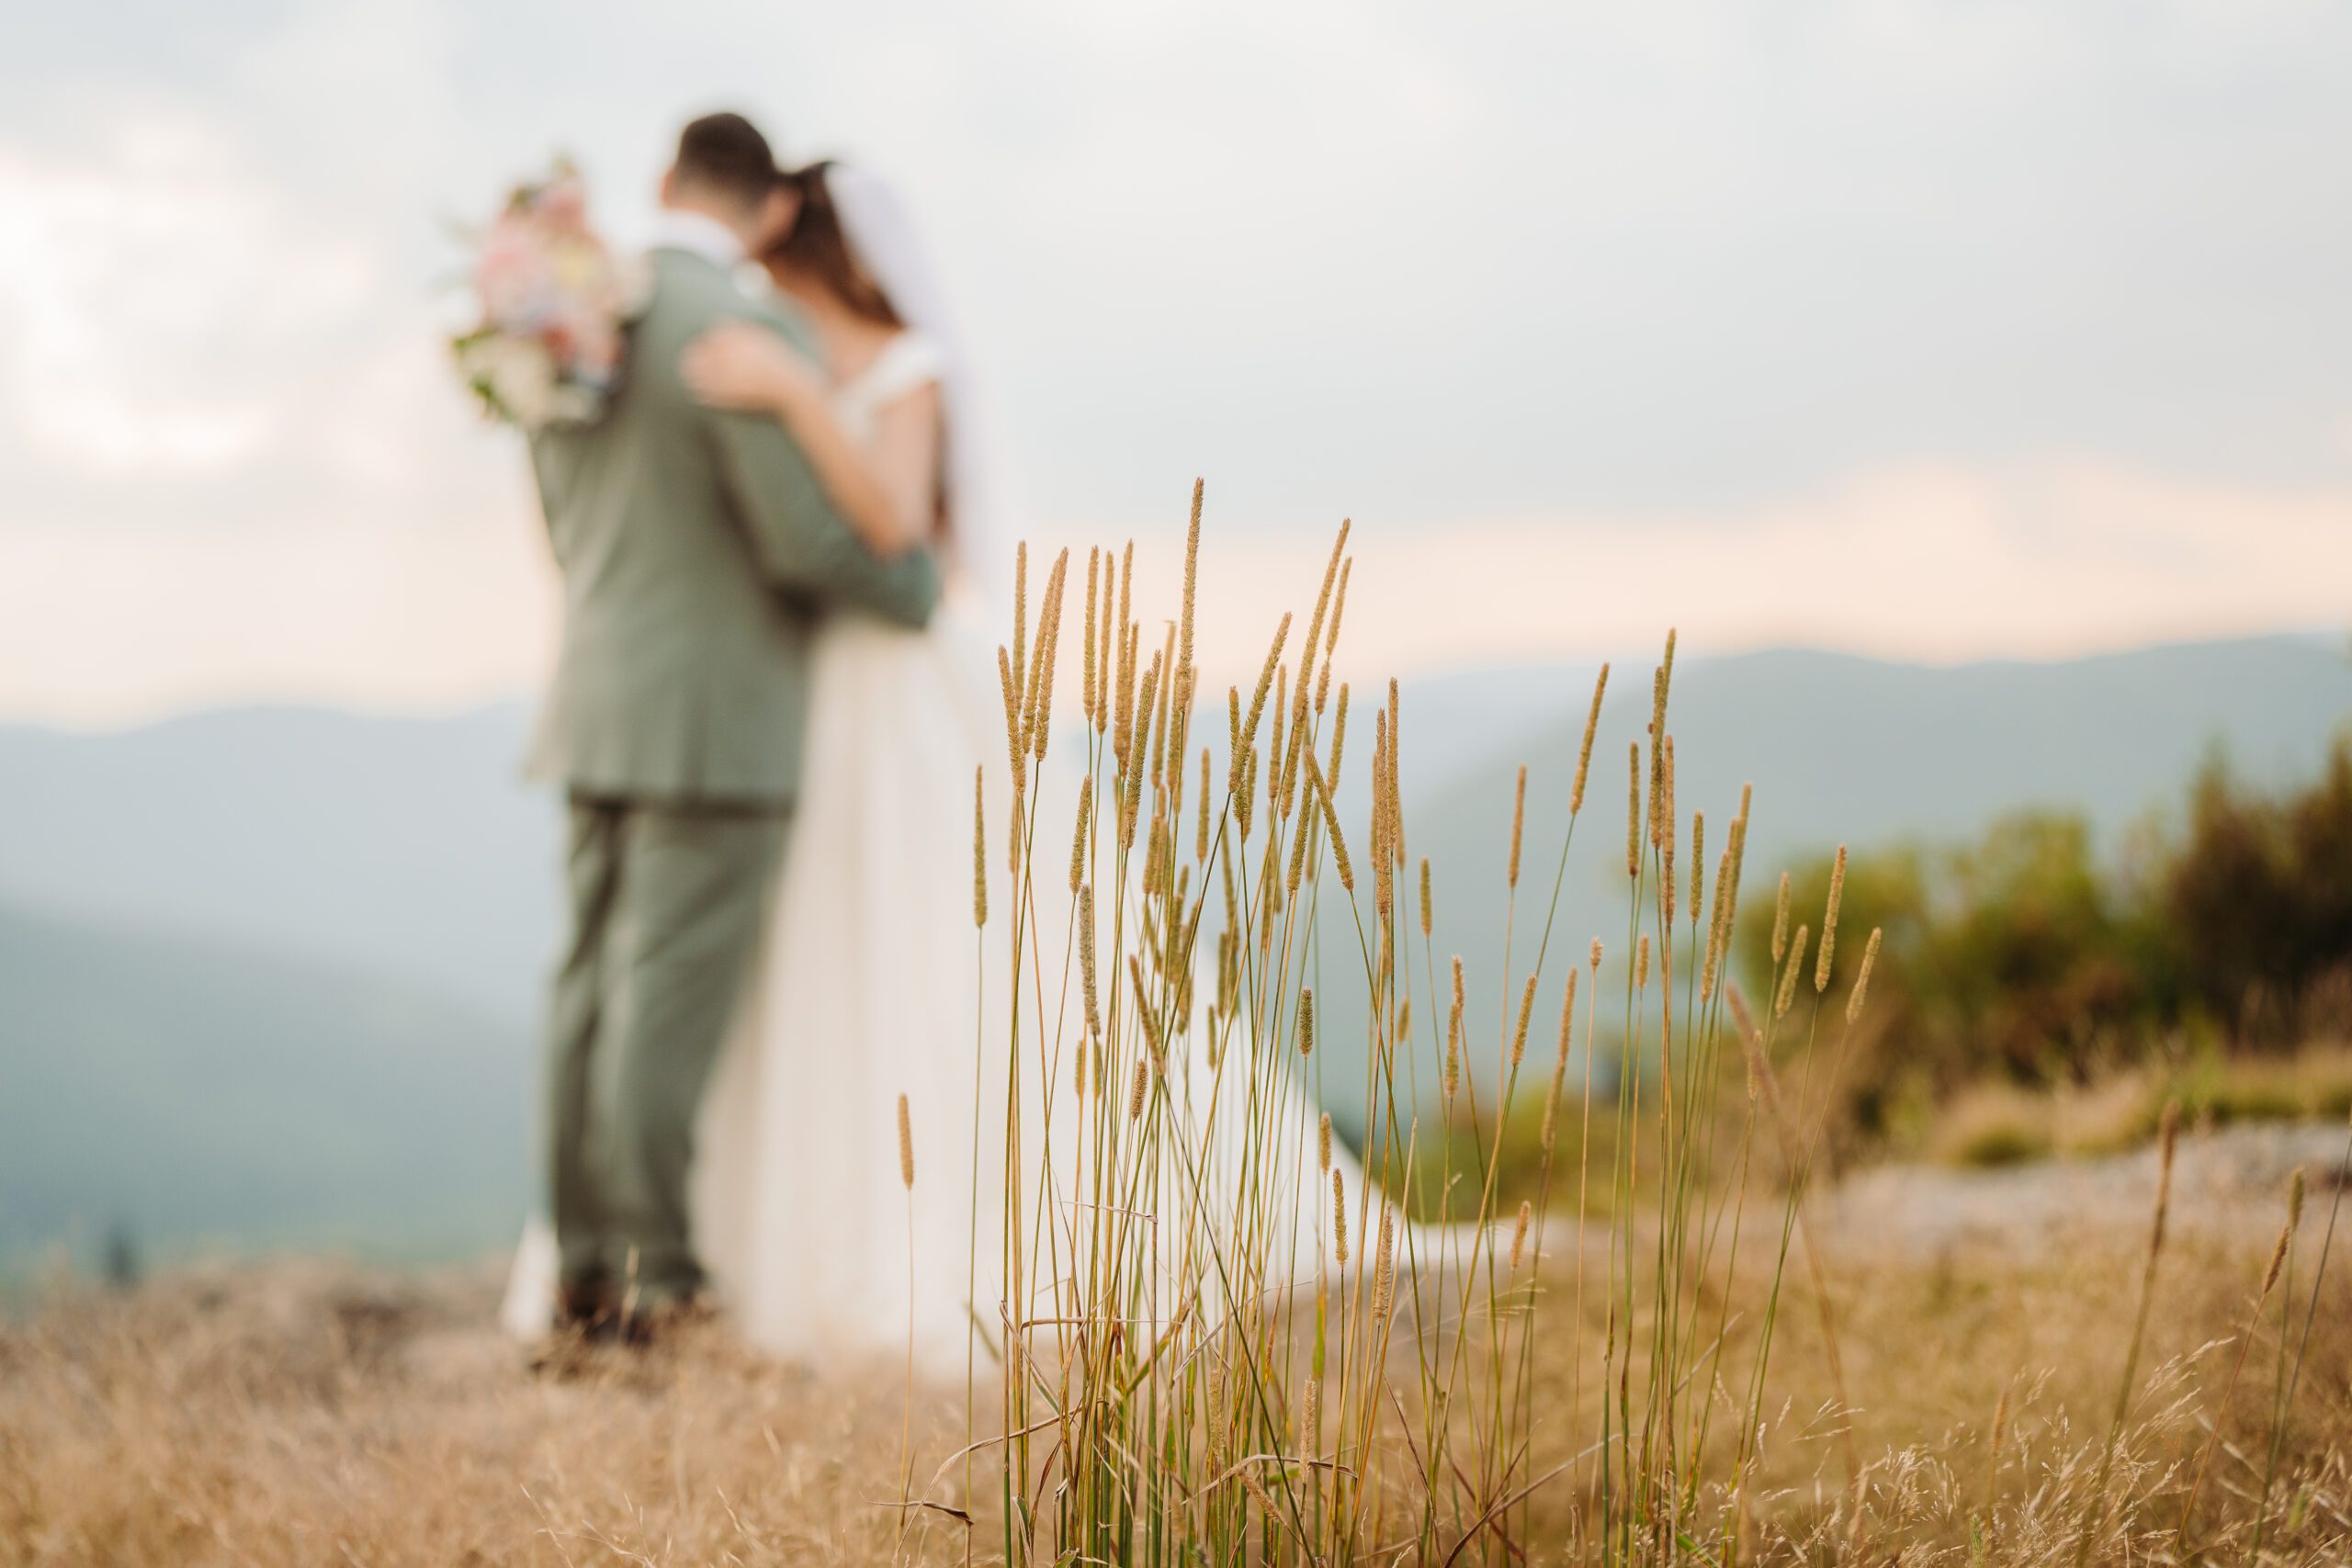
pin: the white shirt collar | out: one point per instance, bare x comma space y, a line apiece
675, 229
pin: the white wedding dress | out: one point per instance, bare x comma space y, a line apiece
866, 990
869, 986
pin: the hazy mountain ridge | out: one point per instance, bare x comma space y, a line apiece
184, 1090
406, 848
343, 1051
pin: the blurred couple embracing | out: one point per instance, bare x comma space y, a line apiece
775, 528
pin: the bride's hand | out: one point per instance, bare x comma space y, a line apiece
737, 365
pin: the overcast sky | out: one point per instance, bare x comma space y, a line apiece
1929, 330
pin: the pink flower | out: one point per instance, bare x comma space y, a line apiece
553, 302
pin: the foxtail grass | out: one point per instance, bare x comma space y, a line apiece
1225, 1337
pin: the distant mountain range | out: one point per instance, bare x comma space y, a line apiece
403, 848
1840, 750
182, 1092
269, 973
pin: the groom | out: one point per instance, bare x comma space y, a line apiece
696, 549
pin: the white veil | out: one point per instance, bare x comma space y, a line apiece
881, 233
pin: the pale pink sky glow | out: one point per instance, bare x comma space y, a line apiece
1934, 565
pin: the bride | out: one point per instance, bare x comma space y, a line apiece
868, 986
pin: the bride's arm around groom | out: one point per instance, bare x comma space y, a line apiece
795, 530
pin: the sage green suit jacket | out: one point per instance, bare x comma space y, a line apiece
697, 552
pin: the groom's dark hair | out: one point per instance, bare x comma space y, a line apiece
726, 155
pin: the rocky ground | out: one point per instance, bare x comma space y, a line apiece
2228, 1184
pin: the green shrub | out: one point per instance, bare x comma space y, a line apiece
2020, 959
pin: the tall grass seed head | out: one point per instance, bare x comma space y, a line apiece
1716, 925
1453, 1033
1087, 684
1789, 974
1086, 960
1584, 751
979, 848
1192, 582
1078, 842
1165, 713
1012, 717
1668, 829
1037, 671
1103, 663
1391, 779
906, 1146
1339, 1218
1201, 841
1298, 843
1339, 730
1658, 752
1020, 612
1049, 654
1126, 585
1332, 825
1249, 733
1017, 834
1761, 1082
1518, 1037
2277, 1260
1742, 1020
1862, 976
1517, 822
1315, 621
1830, 922
1276, 743
1633, 809
1148, 1015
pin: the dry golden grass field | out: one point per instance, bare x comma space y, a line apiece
309, 1411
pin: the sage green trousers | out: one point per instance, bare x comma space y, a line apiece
668, 904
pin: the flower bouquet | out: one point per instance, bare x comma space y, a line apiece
554, 302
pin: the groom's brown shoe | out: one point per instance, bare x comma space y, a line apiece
666, 1323
588, 1308
587, 1315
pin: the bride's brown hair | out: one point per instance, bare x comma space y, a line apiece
816, 246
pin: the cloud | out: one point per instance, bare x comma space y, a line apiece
216, 305
1930, 329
